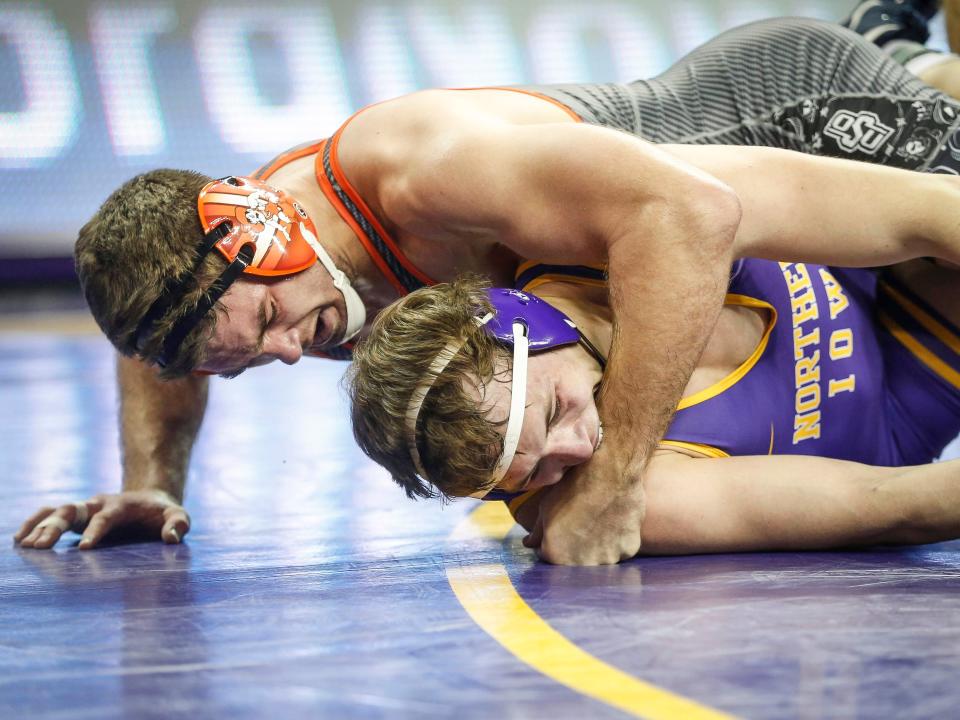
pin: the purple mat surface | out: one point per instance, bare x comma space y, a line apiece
310, 587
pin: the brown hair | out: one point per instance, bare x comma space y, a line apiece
144, 235
459, 444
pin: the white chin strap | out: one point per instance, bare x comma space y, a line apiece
356, 312
518, 396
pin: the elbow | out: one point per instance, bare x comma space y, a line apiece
713, 211
693, 222
915, 526
903, 521
726, 212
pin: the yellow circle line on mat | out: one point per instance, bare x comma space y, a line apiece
489, 597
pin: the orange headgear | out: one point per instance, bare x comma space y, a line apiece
260, 230
260, 214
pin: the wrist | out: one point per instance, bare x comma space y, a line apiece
168, 490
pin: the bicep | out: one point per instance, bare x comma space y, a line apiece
787, 502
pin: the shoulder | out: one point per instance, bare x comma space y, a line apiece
433, 128
395, 151
399, 130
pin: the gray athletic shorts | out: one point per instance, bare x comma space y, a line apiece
792, 83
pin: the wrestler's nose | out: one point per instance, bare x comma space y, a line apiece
285, 345
569, 447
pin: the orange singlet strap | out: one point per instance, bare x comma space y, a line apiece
382, 248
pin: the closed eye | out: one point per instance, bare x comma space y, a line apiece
550, 417
265, 323
556, 413
256, 350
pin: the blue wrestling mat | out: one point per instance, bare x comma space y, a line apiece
311, 587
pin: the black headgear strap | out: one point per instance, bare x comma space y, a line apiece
174, 291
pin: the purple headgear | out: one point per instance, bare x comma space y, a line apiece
528, 325
545, 326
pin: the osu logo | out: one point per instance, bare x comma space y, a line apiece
858, 131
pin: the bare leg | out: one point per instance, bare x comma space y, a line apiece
946, 75
899, 28
951, 14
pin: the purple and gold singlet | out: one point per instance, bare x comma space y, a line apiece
851, 365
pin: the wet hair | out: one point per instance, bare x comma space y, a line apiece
145, 234
459, 444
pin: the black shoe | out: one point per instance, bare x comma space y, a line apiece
927, 8
881, 21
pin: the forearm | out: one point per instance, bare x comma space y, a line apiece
159, 421
666, 291
805, 208
880, 506
795, 502
885, 506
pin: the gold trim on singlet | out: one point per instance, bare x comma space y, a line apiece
518, 502
699, 448
730, 299
919, 351
548, 278
927, 321
747, 365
